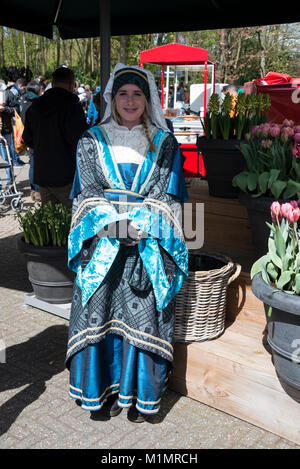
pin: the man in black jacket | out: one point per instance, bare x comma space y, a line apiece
53, 126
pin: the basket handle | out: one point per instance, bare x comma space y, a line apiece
237, 272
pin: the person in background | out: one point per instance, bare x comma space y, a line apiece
3, 142
7, 110
83, 99
53, 124
93, 112
33, 91
231, 89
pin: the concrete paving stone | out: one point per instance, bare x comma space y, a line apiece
27, 443
111, 428
130, 440
8, 442
28, 426
271, 441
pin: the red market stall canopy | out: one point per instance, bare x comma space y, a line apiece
176, 54
284, 92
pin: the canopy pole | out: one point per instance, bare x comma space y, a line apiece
175, 88
162, 87
104, 9
205, 86
57, 11
167, 86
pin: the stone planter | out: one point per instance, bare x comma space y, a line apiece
51, 279
222, 161
283, 333
258, 213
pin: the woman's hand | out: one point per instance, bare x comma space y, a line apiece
134, 233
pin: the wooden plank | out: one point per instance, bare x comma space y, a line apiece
253, 395
227, 231
240, 348
232, 209
240, 299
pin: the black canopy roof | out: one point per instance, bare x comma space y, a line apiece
80, 18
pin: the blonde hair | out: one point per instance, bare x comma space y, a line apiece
144, 121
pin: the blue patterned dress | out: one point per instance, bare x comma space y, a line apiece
122, 315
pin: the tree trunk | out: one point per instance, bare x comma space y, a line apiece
2, 58
70, 53
24, 49
222, 66
87, 55
58, 51
92, 54
262, 42
123, 49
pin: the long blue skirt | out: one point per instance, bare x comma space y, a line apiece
113, 366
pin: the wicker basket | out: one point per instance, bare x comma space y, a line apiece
200, 305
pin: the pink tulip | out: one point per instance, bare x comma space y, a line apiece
286, 209
294, 203
287, 131
290, 213
288, 123
283, 137
275, 131
295, 215
266, 143
264, 129
276, 211
296, 150
297, 137
254, 130
298, 201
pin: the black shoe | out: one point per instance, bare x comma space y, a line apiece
135, 416
109, 409
114, 409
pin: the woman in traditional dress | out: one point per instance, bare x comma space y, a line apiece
127, 249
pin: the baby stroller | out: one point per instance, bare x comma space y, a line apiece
8, 188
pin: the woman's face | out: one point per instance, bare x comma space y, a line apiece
130, 104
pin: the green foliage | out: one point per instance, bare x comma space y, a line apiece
235, 116
46, 225
241, 54
271, 169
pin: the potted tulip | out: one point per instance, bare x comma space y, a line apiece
44, 244
225, 127
272, 171
276, 281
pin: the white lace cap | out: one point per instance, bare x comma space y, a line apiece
156, 114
